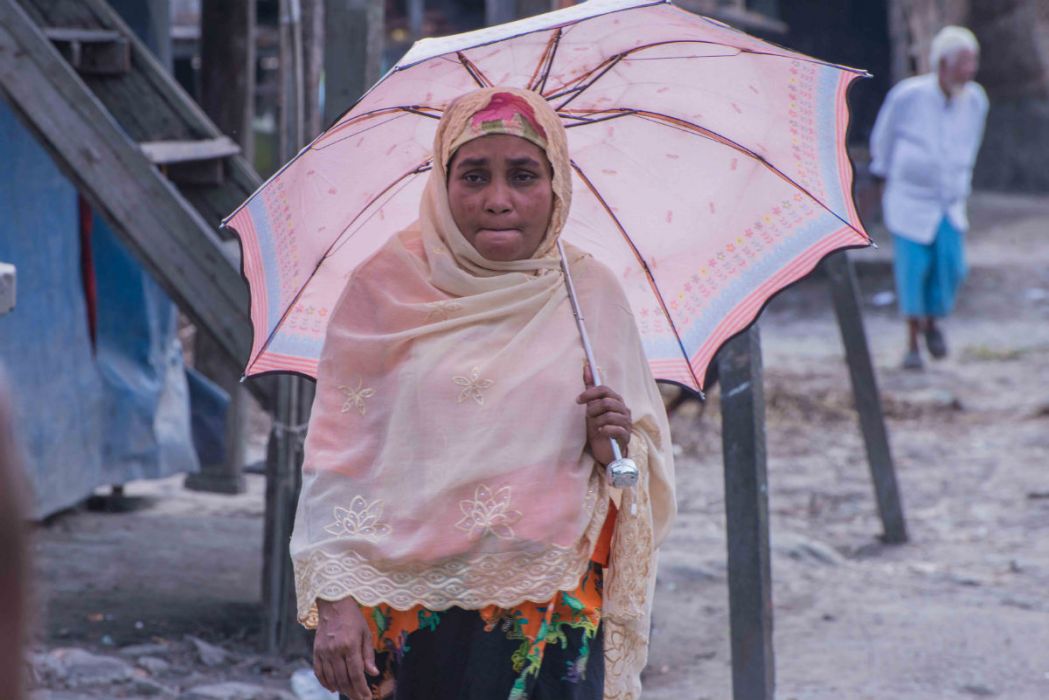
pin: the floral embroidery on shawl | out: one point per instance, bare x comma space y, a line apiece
355, 398
361, 519
443, 310
485, 513
473, 386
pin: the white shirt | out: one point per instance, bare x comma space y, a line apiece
925, 145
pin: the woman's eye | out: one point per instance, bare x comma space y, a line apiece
524, 176
473, 178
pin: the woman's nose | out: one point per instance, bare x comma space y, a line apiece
497, 199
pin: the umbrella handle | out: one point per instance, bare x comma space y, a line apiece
621, 472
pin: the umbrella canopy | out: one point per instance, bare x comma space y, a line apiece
710, 172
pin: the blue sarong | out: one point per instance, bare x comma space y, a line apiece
928, 275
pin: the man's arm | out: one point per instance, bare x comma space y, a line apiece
882, 137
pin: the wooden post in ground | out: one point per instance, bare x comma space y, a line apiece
227, 68
845, 295
294, 394
352, 52
352, 47
228, 97
747, 517
282, 633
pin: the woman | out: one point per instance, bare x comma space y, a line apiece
455, 537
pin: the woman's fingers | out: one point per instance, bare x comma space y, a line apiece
601, 407
357, 687
322, 675
343, 681
597, 392
369, 654
332, 680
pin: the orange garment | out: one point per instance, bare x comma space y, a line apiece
390, 627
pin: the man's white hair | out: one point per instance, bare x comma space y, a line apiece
949, 42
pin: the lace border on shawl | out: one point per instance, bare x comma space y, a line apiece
630, 585
504, 579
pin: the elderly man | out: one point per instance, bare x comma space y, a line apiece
923, 147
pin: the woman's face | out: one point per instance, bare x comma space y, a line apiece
501, 195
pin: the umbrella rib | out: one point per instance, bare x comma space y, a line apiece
413, 109
644, 266
591, 78
422, 167
471, 68
702, 132
583, 88
548, 63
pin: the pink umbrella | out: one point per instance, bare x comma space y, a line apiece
710, 173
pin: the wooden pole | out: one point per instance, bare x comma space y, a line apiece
747, 517
353, 43
227, 57
499, 11
845, 295
312, 66
416, 10
282, 634
227, 30
283, 480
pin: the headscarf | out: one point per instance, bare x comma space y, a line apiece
446, 461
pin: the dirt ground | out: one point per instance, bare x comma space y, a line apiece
961, 611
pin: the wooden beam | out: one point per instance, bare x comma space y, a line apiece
845, 294
167, 234
747, 517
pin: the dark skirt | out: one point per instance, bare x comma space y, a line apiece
549, 651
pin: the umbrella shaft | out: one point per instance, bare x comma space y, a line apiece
583, 335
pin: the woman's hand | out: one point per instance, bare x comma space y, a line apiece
343, 649
606, 417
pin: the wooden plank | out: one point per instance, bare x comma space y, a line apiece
92, 51
69, 34
845, 295
168, 236
165, 152
747, 517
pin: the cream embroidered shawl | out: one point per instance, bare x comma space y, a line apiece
445, 459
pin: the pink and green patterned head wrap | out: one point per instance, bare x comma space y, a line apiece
505, 113
516, 112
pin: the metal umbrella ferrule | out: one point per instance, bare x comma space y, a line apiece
622, 473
